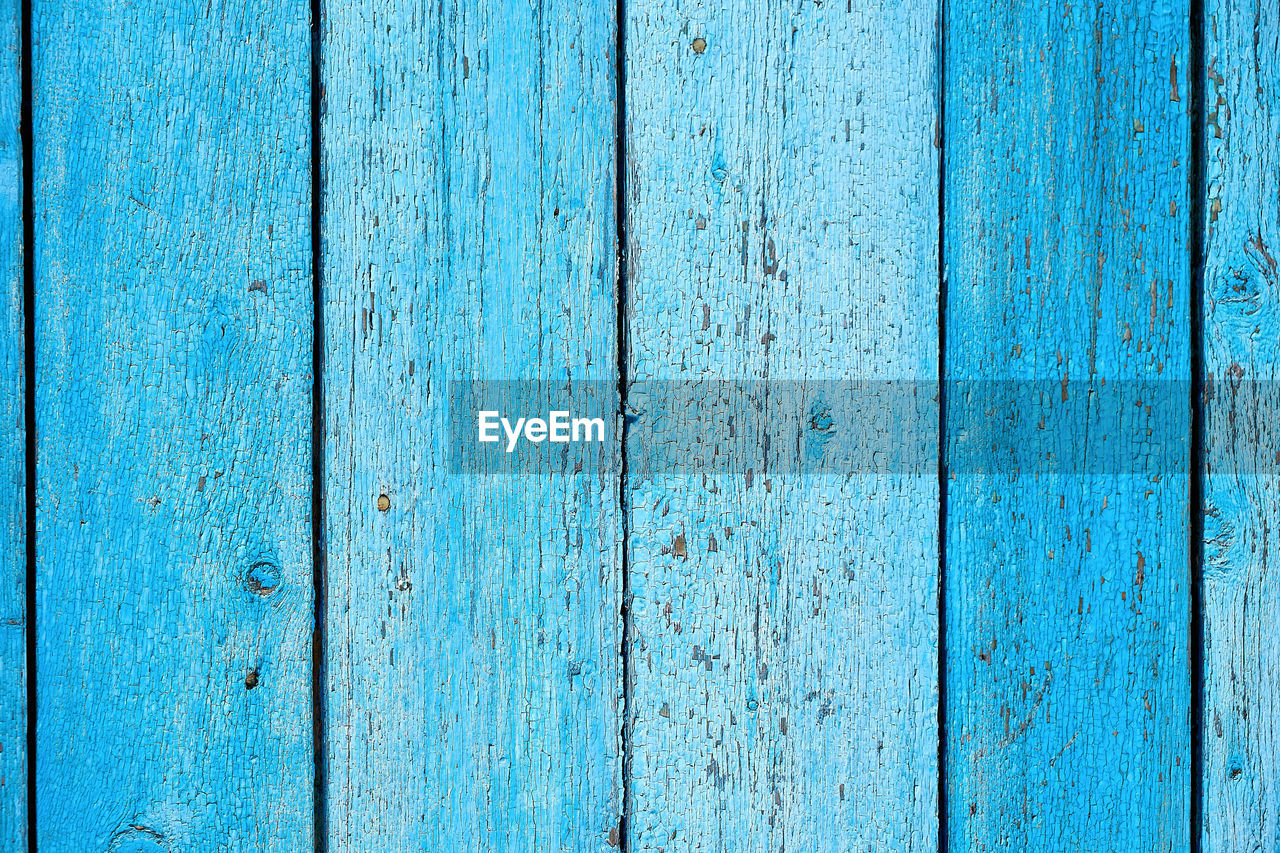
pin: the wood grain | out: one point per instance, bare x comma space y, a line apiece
173, 326
1067, 278
13, 470
474, 689
782, 221
1242, 439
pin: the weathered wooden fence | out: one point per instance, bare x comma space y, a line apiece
248, 601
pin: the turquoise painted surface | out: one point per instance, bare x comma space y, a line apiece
173, 326
782, 222
782, 212
13, 470
1241, 361
473, 698
1067, 269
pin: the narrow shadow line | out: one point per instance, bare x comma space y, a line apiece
319, 567
29, 412
941, 60
1196, 178
620, 221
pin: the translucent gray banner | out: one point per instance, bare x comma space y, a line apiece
843, 428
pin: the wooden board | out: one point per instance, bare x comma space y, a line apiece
173, 327
782, 230
1242, 436
473, 695
1066, 245
13, 469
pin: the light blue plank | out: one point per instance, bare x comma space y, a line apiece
13, 491
173, 322
474, 690
1242, 440
782, 209
1066, 247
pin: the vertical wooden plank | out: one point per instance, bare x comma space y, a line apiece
782, 222
1067, 280
13, 470
1242, 443
473, 695
173, 321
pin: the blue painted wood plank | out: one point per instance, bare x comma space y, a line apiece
1066, 247
1242, 444
173, 325
13, 472
782, 221
474, 678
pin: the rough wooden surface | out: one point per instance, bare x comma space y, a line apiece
13, 489
1067, 261
782, 209
473, 698
782, 168
173, 326
1242, 435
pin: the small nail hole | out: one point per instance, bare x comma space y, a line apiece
251, 680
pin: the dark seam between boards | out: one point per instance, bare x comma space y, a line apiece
29, 411
319, 567
940, 60
620, 223
1195, 491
